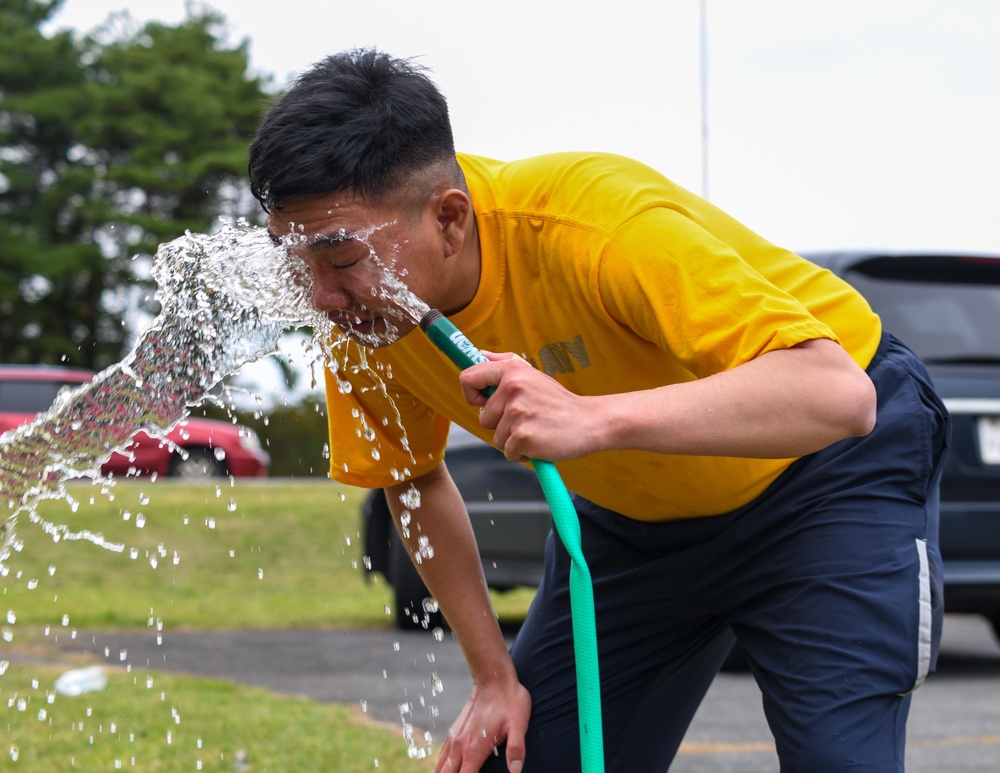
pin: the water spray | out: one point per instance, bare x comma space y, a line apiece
461, 351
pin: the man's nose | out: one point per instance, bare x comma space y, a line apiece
329, 295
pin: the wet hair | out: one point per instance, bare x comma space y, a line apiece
360, 121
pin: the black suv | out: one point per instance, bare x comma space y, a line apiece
947, 309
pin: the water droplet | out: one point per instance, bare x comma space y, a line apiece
260, 574
231, 506
143, 498
411, 497
140, 520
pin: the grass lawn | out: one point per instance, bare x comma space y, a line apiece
171, 723
260, 554
254, 555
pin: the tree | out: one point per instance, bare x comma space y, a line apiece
109, 144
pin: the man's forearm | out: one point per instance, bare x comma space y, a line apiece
787, 403
453, 574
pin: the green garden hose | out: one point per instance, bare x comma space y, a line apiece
461, 351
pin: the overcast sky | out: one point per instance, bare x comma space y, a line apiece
857, 123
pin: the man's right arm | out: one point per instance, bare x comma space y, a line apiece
499, 707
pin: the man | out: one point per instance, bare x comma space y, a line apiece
750, 453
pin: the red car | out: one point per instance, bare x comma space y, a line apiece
214, 448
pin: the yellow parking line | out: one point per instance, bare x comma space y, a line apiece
725, 748
959, 740
695, 748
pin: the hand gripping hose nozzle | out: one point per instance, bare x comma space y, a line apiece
463, 353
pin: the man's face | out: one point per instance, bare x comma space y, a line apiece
371, 267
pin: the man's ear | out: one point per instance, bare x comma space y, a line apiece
454, 208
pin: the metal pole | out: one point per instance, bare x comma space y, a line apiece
703, 81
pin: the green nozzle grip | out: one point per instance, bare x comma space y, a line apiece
450, 340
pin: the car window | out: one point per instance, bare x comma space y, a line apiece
483, 474
944, 309
28, 396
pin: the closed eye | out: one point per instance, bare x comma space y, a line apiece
341, 266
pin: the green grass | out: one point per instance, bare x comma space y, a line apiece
185, 724
285, 555
282, 555
256, 555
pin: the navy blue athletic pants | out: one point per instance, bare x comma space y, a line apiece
830, 580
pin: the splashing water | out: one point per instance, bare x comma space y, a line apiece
226, 298
394, 290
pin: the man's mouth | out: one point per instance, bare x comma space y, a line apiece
357, 324
373, 330
352, 323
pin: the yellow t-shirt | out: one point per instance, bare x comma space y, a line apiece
610, 278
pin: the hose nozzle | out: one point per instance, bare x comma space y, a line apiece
450, 340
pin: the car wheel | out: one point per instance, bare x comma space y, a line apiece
736, 661
199, 464
995, 622
410, 591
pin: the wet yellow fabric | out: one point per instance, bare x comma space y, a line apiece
610, 278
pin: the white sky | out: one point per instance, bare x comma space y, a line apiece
858, 123
848, 124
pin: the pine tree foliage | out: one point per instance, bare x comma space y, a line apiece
110, 143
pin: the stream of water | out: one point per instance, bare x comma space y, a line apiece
225, 300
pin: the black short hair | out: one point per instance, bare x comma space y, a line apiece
360, 120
